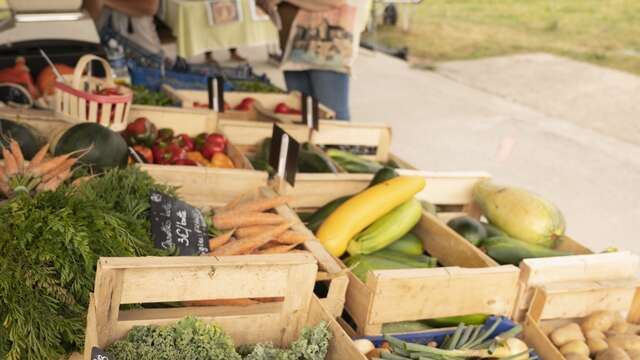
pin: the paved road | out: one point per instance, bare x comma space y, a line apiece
534, 138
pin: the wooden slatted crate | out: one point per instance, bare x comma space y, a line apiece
288, 276
468, 275
195, 178
560, 301
266, 103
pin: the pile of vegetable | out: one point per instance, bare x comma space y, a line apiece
244, 105
193, 339
312, 159
250, 228
164, 147
465, 342
50, 242
255, 86
144, 96
603, 335
374, 226
521, 224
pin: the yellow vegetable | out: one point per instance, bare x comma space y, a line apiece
365, 208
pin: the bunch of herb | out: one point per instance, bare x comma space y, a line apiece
144, 96
187, 339
49, 245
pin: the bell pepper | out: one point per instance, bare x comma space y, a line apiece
165, 134
141, 131
218, 140
176, 153
186, 142
187, 162
145, 153
161, 154
220, 160
197, 157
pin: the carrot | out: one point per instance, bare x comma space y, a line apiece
17, 154
247, 245
66, 165
231, 204
10, 164
3, 177
221, 302
260, 205
54, 182
220, 240
292, 237
37, 159
279, 249
232, 219
49, 165
253, 230
4, 188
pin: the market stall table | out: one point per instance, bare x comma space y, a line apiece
236, 23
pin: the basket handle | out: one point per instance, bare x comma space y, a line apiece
82, 65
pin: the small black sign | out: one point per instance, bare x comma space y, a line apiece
310, 112
177, 225
354, 149
287, 154
99, 354
215, 87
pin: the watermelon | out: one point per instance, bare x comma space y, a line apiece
25, 136
107, 148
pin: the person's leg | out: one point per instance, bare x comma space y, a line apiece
298, 81
332, 89
233, 53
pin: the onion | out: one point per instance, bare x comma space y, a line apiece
364, 346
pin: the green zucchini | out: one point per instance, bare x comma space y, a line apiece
311, 160
353, 163
469, 228
386, 260
384, 174
506, 250
408, 244
474, 319
318, 217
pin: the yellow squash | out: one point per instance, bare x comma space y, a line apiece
363, 209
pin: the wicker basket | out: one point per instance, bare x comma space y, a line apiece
74, 99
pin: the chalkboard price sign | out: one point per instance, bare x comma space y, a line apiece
99, 354
176, 224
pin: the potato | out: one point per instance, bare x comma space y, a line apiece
596, 345
576, 347
619, 327
634, 354
613, 353
574, 356
599, 320
624, 341
594, 334
567, 333
547, 327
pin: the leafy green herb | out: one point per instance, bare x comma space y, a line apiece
313, 344
49, 245
144, 96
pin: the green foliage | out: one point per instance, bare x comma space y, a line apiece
144, 96
188, 339
49, 245
313, 344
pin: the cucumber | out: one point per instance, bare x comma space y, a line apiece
310, 160
409, 244
384, 174
353, 163
474, 319
362, 264
469, 228
318, 217
492, 230
418, 261
506, 250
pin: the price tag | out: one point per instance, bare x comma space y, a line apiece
177, 225
99, 354
310, 112
284, 154
215, 87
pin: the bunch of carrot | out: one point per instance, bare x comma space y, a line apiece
37, 175
251, 229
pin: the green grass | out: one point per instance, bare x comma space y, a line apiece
604, 32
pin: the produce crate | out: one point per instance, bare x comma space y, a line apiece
195, 178
535, 273
135, 281
556, 303
470, 282
265, 104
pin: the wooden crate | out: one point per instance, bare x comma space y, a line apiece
135, 281
468, 275
266, 103
557, 302
195, 178
535, 273
220, 187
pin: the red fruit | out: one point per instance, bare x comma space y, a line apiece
218, 140
295, 112
161, 154
248, 101
198, 104
282, 108
187, 162
141, 131
186, 142
242, 107
176, 152
210, 149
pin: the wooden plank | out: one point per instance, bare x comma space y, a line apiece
293, 316
441, 292
108, 291
447, 188
349, 133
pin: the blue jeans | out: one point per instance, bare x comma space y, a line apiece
329, 87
